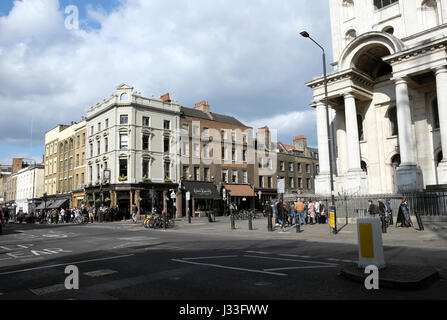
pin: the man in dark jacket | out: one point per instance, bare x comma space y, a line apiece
372, 209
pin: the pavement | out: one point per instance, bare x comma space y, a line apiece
206, 261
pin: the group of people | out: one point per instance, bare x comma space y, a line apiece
385, 213
90, 214
299, 212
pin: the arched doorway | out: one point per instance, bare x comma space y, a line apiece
395, 163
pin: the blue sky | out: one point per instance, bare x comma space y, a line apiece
243, 56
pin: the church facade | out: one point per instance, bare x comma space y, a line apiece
387, 97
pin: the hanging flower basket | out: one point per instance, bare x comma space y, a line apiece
107, 200
146, 179
123, 178
97, 182
167, 179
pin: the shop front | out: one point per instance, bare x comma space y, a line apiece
241, 196
264, 196
203, 198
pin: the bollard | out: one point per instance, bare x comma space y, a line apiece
269, 222
250, 221
189, 216
233, 226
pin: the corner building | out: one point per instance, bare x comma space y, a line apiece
387, 97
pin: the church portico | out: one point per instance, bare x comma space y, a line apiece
386, 138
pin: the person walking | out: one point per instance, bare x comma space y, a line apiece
317, 211
62, 216
134, 213
293, 213
282, 216
389, 212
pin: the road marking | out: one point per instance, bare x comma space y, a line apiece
64, 264
261, 252
49, 289
138, 238
231, 268
294, 268
295, 260
100, 273
215, 257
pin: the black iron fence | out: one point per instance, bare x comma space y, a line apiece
427, 203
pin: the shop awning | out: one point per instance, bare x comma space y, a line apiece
239, 190
42, 205
57, 204
202, 190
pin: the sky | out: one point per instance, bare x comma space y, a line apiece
245, 57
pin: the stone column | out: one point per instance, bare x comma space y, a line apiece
407, 154
441, 88
322, 181
352, 133
137, 196
355, 181
408, 175
178, 202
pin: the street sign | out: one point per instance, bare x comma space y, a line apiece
332, 222
281, 184
188, 196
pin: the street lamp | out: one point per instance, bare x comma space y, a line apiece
305, 34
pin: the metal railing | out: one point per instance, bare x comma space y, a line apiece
427, 203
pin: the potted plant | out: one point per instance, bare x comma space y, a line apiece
167, 179
123, 178
146, 179
107, 200
97, 182
90, 184
140, 199
105, 181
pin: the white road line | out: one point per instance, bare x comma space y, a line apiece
295, 260
332, 259
293, 268
261, 252
49, 289
65, 264
231, 268
215, 257
100, 273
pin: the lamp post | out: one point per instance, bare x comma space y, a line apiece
305, 34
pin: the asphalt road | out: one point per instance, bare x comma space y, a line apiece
125, 261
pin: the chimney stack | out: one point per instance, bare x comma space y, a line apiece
202, 106
263, 137
300, 143
165, 98
17, 165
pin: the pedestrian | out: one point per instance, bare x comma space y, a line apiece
311, 212
299, 208
275, 212
382, 211
404, 215
389, 212
134, 213
323, 213
281, 216
317, 211
373, 210
293, 213
62, 216
91, 215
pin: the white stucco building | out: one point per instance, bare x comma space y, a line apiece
136, 139
30, 185
387, 97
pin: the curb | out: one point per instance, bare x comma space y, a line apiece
424, 277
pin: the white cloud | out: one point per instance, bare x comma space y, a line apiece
242, 56
289, 125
